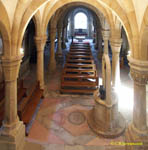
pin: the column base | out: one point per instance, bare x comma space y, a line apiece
106, 121
136, 140
15, 140
42, 86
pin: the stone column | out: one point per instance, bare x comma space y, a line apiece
40, 44
96, 39
100, 47
137, 131
90, 28
12, 134
52, 61
63, 37
116, 47
106, 36
72, 27
59, 48
104, 118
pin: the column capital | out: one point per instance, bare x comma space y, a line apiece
139, 70
11, 68
116, 44
105, 34
40, 42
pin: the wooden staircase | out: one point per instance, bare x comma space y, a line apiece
79, 75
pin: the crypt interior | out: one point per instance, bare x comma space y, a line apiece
73, 75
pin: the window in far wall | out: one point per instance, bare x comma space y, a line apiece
80, 21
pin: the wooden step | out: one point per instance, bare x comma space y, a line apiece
79, 71
77, 91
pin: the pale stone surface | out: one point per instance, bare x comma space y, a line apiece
137, 130
116, 46
78, 147
40, 43
33, 146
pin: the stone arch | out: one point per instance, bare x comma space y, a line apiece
37, 22
20, 24
143, 37
48, 14
55, 5
5, 31
114, 7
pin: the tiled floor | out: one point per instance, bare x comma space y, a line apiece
61, 122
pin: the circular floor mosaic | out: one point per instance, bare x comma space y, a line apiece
76, 118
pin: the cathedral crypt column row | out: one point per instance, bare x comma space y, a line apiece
12, 134
52, 61
137, 130
116, 47
40, 44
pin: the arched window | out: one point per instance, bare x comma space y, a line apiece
80, 21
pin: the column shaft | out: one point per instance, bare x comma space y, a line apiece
139, 73
40, 44
10, 116
52, 61
139, 110
12, 134
116, 46
59, 50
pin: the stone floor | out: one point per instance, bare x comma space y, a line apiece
61, 122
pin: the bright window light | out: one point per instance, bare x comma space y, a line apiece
125, 97
22, 51
80, 21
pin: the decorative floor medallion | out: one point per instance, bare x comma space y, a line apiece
76, 118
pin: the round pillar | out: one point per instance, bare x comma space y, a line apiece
137, 131
116, 47
104, 118
59, 49
64, 37
52, 61
40, 44
12, 134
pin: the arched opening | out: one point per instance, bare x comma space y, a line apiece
50, 98
53, 87
80, 21
28, 50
